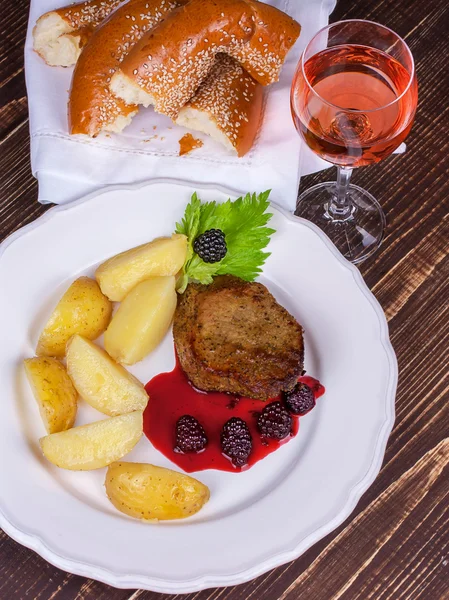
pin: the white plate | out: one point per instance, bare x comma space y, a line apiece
255, 520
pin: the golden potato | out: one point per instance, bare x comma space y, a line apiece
104, 384
147, 492
164, 256
142, 320
95, 445
54, 392
83, 309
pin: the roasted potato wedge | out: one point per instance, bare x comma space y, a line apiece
153, 493
164, 256
83, 309
104, 384
54, 392
142, 320
95, 445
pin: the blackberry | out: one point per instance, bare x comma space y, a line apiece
236, 441
211, 245
300, 400
275, 421
190, 435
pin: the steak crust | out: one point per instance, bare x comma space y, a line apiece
232, 336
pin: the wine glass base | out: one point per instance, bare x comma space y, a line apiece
357, 233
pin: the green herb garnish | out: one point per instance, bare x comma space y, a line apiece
243, 221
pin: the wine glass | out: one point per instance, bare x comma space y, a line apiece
353, 99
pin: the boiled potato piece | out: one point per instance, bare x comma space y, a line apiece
147, 492
142, 320
83, 309
54, 392
95, 445
103, 383
164, 256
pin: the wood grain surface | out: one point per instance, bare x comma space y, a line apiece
395, 545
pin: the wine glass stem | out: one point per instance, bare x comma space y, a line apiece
340, 207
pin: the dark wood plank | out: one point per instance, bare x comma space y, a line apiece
18, 188
13, 24
395, 544
366, 551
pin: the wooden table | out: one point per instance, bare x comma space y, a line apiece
395, 545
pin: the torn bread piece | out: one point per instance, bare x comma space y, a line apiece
168, 64
227, 106
59, 35
92, 106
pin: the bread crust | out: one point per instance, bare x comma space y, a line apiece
228, 101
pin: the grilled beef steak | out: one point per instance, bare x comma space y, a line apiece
232, 336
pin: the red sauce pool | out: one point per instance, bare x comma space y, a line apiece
171, 396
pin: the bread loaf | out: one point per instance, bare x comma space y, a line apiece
168, 64
92, 106
227, 106
60, 34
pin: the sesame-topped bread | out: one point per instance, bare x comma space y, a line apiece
60, 34
92, 106
227, 106
167, 65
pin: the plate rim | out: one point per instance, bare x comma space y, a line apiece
33, 540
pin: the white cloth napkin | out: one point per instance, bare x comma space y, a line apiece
68, 167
